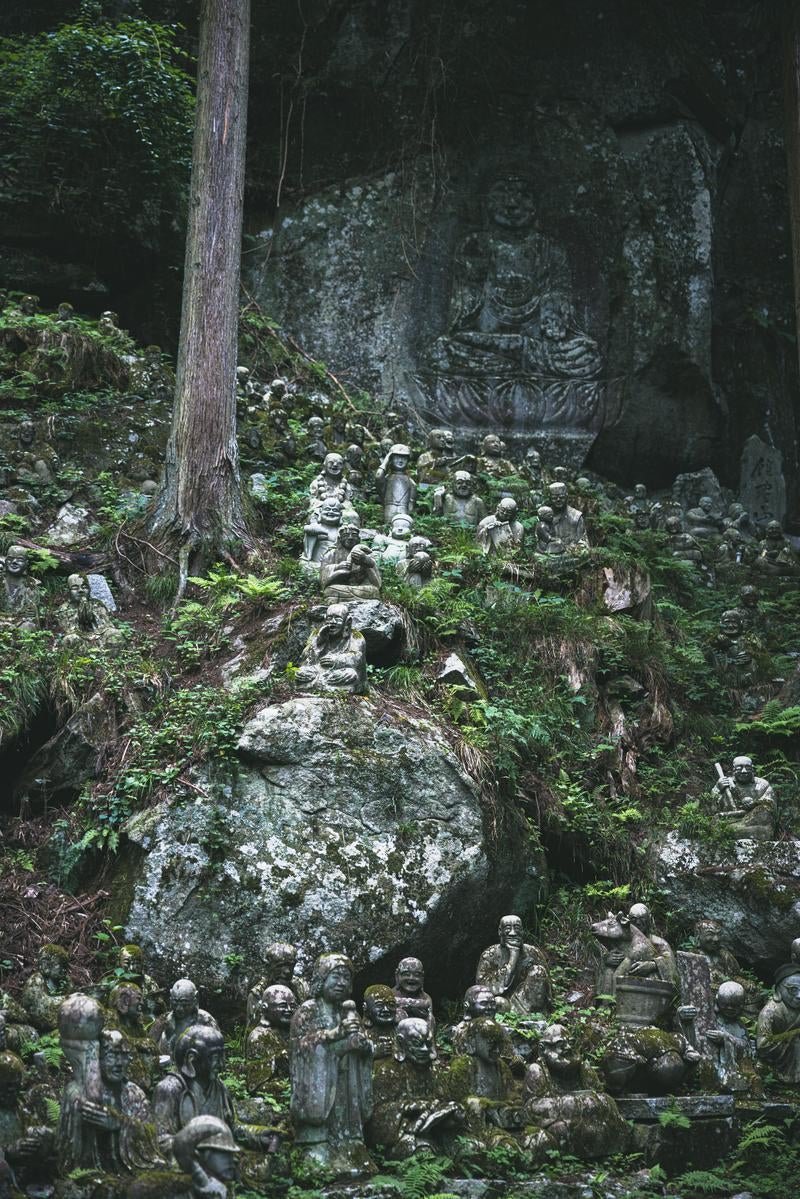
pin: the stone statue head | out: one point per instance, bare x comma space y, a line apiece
560, 474
485, 1040
280, 959
130, 958
735, 510
414, 1042
641, 916
278, 1003
53, 964
380, 1004
78, 589
533, 458
64, 311
709, 936
583, 483
354, 455
200, 1053
479, 1001
441, 439
558, 496
401, 526
743, 771
338, 622
12, 1079
545, 514
400, 456
330, 512
509, 202
417, 545
207, 1142
554, 1049
27, 432
794, 950
409, 977
706, 503
730, 622
126, 1000
463, 485
349, 537
787, 985
17, 559
492, 446
506, 511
748, 596
641, 519
673, 524
730, 1000
509, 932
333, 465
115, 1056
640, 491
332, 979
183, 1000
28, 305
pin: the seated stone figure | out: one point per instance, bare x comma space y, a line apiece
46, 989
380, 1020
778, 1027
647, 1060
515, 972
777, 557
280, 960
184, 1012
193, 1088
25, 1136
321, 533
267, 1045
394, 550
409, 988
482, 1051
130, 962
683, 545
206, 1151
544, 528
563, 1098
460, 504
18, 592
492, 460
411, 1112
335, 656
722, 963
330, 484
417, 566
348, 571
734, 647
83, 619
703, 521
628, 953
568, 522
731, 1049
747, 801
436, 463
501, 533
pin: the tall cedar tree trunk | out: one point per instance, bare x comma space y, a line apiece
791, 79
199, 509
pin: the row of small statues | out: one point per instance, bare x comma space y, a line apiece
81, 618
381, 1077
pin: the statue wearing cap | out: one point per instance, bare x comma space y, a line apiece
396, 489
206, 1151
778, 1027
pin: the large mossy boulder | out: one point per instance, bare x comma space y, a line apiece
346, 827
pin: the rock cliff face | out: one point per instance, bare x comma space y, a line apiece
346, 827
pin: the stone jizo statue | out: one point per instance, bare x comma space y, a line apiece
492, 460
501, 533
46, 988
683, 545
417, 566
460, 504
703, 521
777, 556
348, 570
321, 533
731, 1049
184, 1012
778, 1027
747, 801
436, 462
331, 484
331, 1071
84, 619
335, 656
18, 593
206, 1151
398, 492
568, 523
394, 550
267, 1045
409, 988
280, 960
515, 972
380, 1020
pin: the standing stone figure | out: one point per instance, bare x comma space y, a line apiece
321, 533
82, 618
397, 491
409, 988
18, 591
501, 533
184, 1011
331, 1071
731, 1049
778, 1027
515, 972
335, 656
460, 504
568, 523
747, 801
206, 1151
436, 462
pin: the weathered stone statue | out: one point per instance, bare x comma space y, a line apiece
640, 915
206, 1151
18, 593
83, 619
723, 965
417, 566
280, 960
544, 528
638, 972
704, 521
568, 523
436, 463
515, 972
394, 550
683, 545
409, 988
492, 460
778, 1027
777, 556
315, 446
348, 570
748, 607
731, 1049
184, 1012
398, 492
563, 1098
482, 1050
747, 801
47, 987
267, 1045
380, 1020
411, 1113
25, 1138
193, 1088
124, 1005
335, 656
331, 1071
647, 1059
131, 967
501, 533
460, 504
321, 533
734, 646
330, 484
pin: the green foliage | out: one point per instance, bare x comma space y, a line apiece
48, 1044
417, 1177
97, 123
673, 1117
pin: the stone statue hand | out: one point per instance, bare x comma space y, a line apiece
98, 1115
715, 1035
687, 1011
725, 783
615, 957
643, 969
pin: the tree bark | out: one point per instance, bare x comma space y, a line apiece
199, 509
791, 80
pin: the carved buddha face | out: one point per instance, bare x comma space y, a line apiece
183, 999
279, 1005
462, 484
410, 976
399, 462
492, 446
349, 537
509, 202
788, 990
381, 1005
337, 985
414, 1042
115, 1056
555, 1051
558, 497
401, 527
27, 433
506, 511
709, 936
315, 426
743, 770
279, 962
78, 589
330, 513
333, 466
16, 561
510, 932
53, 968
479, 1001
730, 1000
